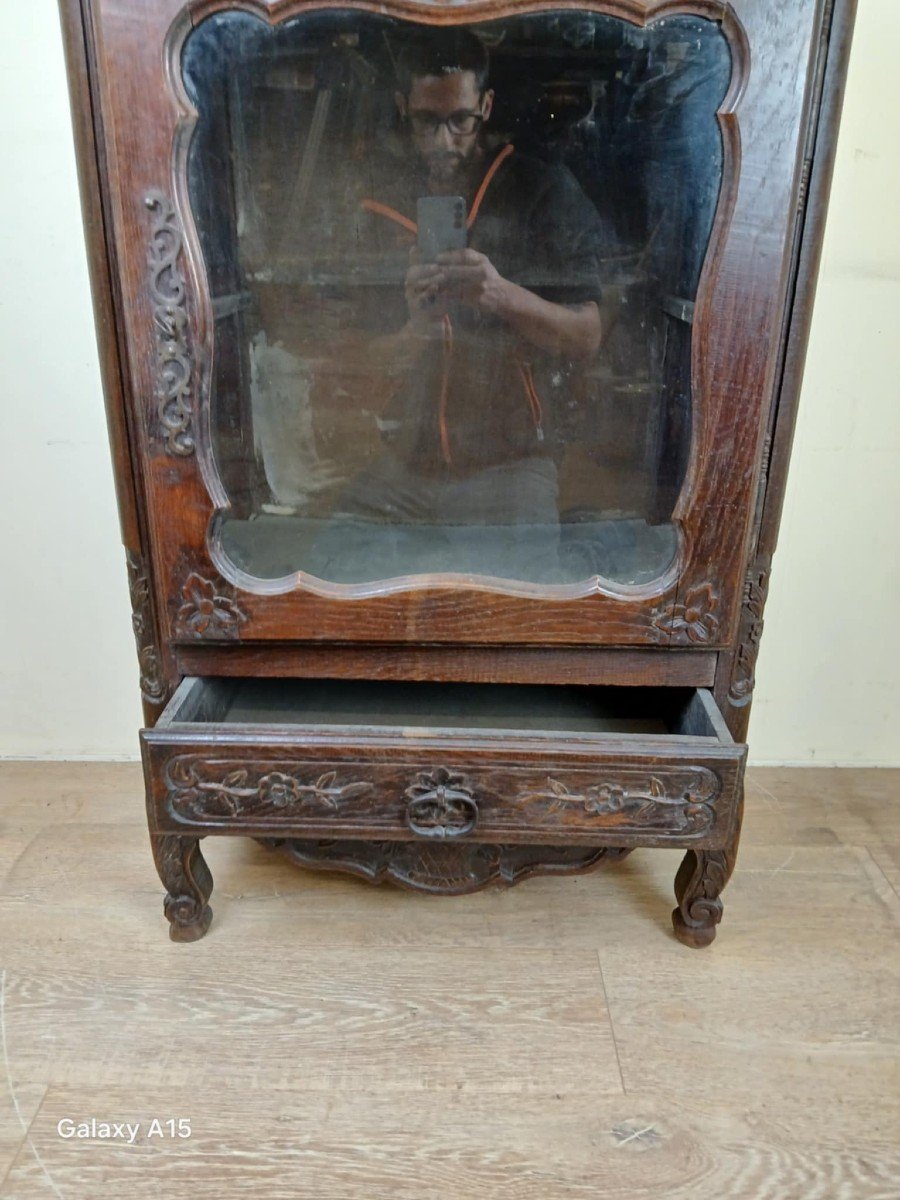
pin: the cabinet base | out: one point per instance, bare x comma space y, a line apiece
443, 870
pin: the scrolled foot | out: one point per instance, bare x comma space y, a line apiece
695, 936
186, 923
188, 884
698, 884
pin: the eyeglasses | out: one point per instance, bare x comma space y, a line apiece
463, 123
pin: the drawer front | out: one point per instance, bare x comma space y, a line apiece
678, 793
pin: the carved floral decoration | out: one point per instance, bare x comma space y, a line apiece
200, 790
681, 804
208, 611
693, 621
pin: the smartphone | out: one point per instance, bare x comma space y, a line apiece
442, 225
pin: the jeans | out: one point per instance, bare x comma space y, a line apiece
501, 522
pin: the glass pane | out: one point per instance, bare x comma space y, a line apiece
453, 275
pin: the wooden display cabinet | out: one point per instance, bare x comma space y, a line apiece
451, 355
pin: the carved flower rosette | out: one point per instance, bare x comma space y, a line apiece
209, 610
693, 622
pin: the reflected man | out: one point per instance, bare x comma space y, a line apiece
477, 346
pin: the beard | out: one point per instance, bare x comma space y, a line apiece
447, 166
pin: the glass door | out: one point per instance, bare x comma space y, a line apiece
452, 325
453, 275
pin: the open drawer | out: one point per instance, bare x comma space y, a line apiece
341, 759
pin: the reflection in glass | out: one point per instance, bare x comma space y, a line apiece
453, 275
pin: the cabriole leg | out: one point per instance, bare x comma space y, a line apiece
698, 884
698, 887
188, 885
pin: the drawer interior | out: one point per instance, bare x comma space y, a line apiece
475, 707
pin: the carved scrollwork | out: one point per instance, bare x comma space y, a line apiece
676, 800
699, 883
443, 868
168, 293
153, 684
199, 790
695, 621
441, 805
208, 610
743, 674
188, 883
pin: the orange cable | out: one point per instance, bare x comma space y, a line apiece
534, 400
385, 210
445, 387
486, 182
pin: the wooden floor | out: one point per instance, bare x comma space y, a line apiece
331, 1039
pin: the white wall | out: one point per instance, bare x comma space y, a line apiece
830, 658
67, 661
829, 663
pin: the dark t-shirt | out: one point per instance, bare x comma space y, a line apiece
499, 393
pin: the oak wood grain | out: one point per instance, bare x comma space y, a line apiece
466, 1146
18, 1106
471, 664
341, 1022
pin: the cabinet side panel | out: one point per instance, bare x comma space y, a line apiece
735, 681
80, 99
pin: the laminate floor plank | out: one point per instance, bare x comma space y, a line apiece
41, 793
887, 857
857, 807
340, 1020
18, 1106
15, 839
799, 995
445, 1147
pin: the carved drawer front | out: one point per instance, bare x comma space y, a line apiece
485, 763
